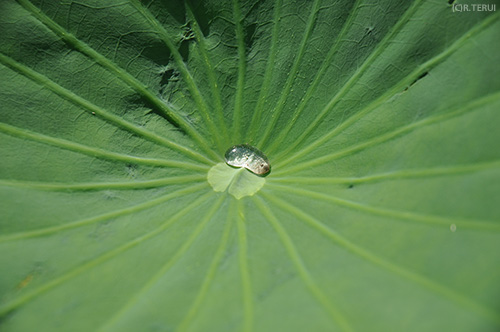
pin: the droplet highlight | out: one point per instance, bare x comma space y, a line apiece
249, 157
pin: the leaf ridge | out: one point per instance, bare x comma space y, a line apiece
400, 174
299, 265
264, 91
472, 106
246, 283
188, 78
129, 305
209, 277
216, 93
93, 109
479, 225
9, 306
123, 75
430, 284
353, 79
280, 104
317, 79
102, 217
89, 186
94, 152
431, 63
241, 71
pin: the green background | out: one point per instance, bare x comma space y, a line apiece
380, 120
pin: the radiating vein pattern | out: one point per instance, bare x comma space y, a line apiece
5, 308
372, 258
305, 275
128, 306
379, 118
405, 82
120, 73
475, 104
293, 72
91, 151
95, 110
193, 88
100, 218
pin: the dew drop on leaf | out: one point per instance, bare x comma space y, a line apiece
249, 157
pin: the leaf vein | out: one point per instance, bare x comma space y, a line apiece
94, 152
188, 78
473, 105
246, 283
401, 174
209, 277
102, 217
216, 93
317, 79
299, 265
96, 110
425, 67
238, 101
129, 305
89, 186
280, 104
264, 91
401, 215
430, 284
9, 306
123, 75
354, 78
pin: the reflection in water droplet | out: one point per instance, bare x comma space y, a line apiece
249, 157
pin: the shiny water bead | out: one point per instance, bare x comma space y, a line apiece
249, 157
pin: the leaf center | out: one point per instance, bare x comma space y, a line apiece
237, 181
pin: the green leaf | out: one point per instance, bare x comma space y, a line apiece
237, 181
380, 120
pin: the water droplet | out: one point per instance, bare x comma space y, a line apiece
249, 157
453, 227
